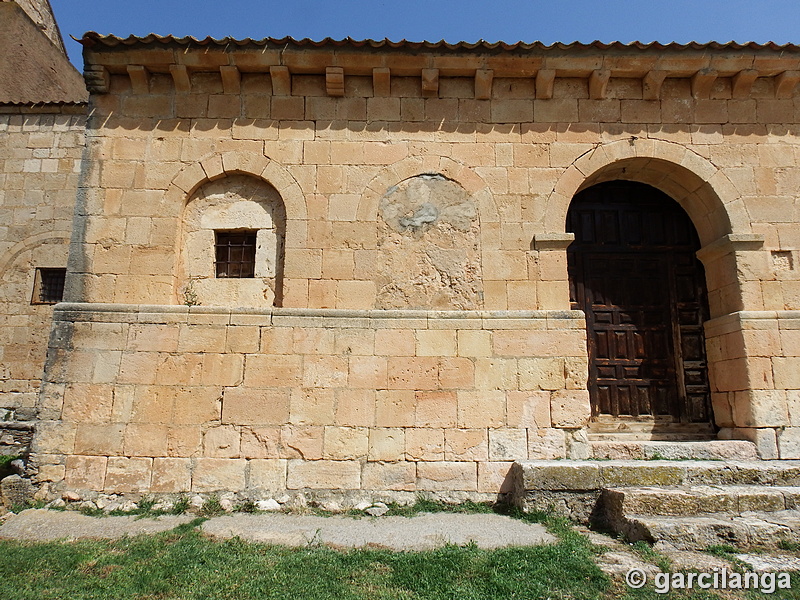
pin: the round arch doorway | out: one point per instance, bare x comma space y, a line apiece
633, 271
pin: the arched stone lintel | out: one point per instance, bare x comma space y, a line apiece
218, 165
10, 256
708, 196
421, 165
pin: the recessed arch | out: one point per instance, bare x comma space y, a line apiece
10, 256
231, 242
708, 196
220, 164
419, 165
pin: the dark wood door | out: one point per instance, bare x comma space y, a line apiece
634, 272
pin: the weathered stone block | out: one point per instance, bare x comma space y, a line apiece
394, 476
386, 444
128, 474
466, 445
345, 443
570, 408
218, 474
450, 476
508, 444
267, 474
424, 444
222, 442
249, 406
146, 439
86, 472
171, 475
323, 474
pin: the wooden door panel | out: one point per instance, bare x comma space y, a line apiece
634, 272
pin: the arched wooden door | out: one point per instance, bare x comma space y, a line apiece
634, 272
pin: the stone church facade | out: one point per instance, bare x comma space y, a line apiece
398, 267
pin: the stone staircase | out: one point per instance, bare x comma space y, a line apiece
729, 497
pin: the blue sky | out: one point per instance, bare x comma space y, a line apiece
469, 20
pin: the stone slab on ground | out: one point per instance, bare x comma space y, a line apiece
42, 525
421, 532
760, 562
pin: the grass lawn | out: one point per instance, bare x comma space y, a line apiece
184, 564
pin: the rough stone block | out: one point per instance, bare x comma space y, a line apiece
424, 444
397, 476
436, 409
355, 407
268, 474
222, 442
395, 408
277, 371
345, 443
128, 474
789, 443
466, 445
312, 406
570, 408
436, 342
386, 444
474, 343
99, 439
574, 476
171, 475
218, 474
323, 474
367, 372
303, 442
508, 444
248, 406
546, 444
86, 472
495, 477
447, 476
146, 439
477, 409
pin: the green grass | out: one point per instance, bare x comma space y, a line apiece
183, 564
423, 505
5, 464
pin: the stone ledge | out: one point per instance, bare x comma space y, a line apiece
74, 311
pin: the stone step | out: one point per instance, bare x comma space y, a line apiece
631, 436
573, 487
607, 428
583, 475
683, 450
697, 533
697, 500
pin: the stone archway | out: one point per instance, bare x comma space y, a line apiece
730, 252
634, 273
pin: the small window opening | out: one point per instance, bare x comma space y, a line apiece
48, 287
235, 253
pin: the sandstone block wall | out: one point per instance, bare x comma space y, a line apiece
179, 399
40, 154
408, 190
757, 376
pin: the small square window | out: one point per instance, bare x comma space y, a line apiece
235, 253
48, 287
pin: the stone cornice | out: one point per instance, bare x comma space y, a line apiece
598, 63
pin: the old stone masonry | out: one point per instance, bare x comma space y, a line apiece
369, 270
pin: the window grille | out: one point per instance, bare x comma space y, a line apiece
235, 253
48, 287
